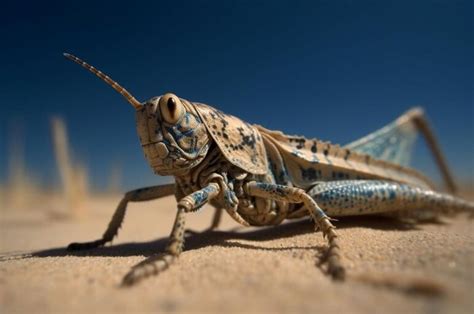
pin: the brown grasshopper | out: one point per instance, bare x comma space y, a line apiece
262, 177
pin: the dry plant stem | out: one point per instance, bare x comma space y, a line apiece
73, 176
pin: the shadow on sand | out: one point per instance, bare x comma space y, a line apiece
224, 239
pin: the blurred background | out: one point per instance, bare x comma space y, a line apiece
334, 70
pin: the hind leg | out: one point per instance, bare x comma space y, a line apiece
395, 141
296, 195
365, 197
361, 197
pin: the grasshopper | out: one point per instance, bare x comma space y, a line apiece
262, 177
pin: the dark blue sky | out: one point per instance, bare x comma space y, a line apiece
335, 70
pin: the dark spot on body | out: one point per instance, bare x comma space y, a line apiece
310, 174
346, 156
392, 195
299, 142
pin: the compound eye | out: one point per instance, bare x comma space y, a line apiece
171, 108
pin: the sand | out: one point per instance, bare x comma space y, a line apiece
392, 266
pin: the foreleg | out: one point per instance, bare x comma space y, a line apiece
139, 195
158, 263
296, 195
215, 222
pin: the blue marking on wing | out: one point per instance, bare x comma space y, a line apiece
394, 143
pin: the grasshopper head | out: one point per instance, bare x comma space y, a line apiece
172, 135
171, 132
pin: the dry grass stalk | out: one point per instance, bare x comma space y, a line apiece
74, 179
115, 179
21, 189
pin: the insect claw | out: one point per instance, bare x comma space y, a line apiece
128, 280
337, 272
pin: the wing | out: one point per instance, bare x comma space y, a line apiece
308, 161
394, 142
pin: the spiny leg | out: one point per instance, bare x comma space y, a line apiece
424, 127
394, 143
158, 263
296, 195
139, 195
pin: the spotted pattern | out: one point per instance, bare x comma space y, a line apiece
360, 197
240, 142
202, 196
171, 148
310, 160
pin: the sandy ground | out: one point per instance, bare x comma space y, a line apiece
393, 267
